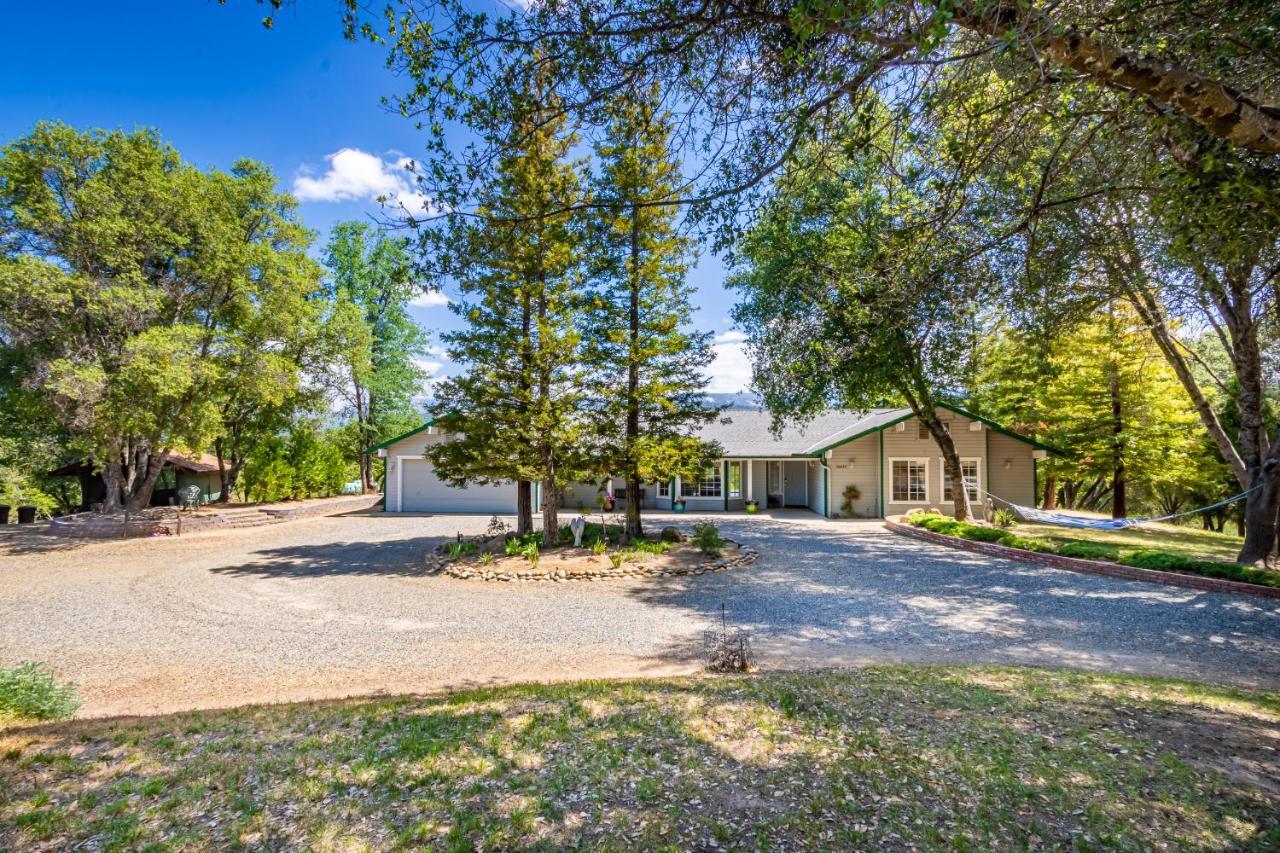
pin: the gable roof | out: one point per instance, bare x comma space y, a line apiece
410, 434
745, 433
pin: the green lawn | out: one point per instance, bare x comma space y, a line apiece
1187, 541
952, 758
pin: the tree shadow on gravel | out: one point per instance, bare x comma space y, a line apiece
884, 597
23, 540
397, 557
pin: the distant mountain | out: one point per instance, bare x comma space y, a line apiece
741, 400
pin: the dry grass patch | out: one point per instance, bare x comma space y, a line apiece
893, 757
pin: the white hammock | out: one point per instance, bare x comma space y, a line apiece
1066, 519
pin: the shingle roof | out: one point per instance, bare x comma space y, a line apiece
745, 432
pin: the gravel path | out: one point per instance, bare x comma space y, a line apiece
338, 606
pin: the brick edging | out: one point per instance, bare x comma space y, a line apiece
1092, 567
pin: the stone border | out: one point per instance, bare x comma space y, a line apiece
1091, 567
446, 565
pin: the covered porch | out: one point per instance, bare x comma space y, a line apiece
774, 483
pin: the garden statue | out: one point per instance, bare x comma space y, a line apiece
578, 525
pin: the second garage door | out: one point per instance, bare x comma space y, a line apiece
422, 491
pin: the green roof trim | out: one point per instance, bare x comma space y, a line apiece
1039, 445
951, 408
409, 434
869, 431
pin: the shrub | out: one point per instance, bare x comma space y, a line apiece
497, 527
985, 534
707, 537
1142, 558
599, 547
1088, 551
530, 552
1004, 517
465, 548
486, 558
651, 546
851, 495
615, 559
29, 691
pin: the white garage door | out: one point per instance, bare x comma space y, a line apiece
421, 491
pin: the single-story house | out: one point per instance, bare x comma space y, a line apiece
180, 471
886, 455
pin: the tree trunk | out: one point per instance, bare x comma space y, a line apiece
1260, 512
140, 496
951, 460
1050, 492
633, 529
524, 507
550, 515
113, 479
1224, 111
1119, 502
366, 473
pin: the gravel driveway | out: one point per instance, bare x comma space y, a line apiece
338, 606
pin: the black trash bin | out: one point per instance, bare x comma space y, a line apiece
26, 515
4, 514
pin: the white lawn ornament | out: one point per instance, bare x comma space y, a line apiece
578, 525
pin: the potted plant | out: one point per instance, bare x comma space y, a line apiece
677, 505
26, 514
752, 506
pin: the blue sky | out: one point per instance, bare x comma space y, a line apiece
219, 86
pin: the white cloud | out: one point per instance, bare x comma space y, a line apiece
730, 372
430, 299
356, 175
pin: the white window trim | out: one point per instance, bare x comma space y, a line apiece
928, 483
942, 480
664, 488
696, 485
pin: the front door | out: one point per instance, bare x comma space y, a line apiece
777, 484
796, 490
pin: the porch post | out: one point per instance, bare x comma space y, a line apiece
750, 492
675, 492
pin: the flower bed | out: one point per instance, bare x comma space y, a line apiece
1140, 558
498, 556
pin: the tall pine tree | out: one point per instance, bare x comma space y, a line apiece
370, 284
518, 263
647, 368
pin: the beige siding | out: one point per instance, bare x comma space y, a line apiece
814, 476
857, 464
907, 444
1014, 483
414, 445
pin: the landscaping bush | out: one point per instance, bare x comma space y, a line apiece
1004, 517
28, 691
650, 546
707, 537
1089, 551
1141, 558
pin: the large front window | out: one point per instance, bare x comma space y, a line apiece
969, 470
706, 485
910, 479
